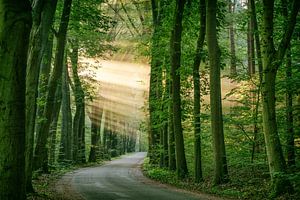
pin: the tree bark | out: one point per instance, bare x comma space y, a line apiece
250, 43
155, 86
95, 139
197, 93
231, 9
256, 36
15, 24
164, 156
290, 134
290, 144
175, 49
66, 124
171, 137
221, 172
94, 142
53, 128
256, 135
79, 116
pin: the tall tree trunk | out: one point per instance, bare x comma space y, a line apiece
45, 70
155, 86
95, 138
15, 24
43, 85
215, 94
94, 142
43, 134
272, 59
53, 127
231, 9
256, 135
250, 43
102, 139
290, 144
175, 49
256, 36
66, 124
43, 14
79, 116
164, 160
171, 137
197, 95
165, 144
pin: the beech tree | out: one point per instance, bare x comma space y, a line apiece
217, 131
41, 150
15, 24
175, 50
197, 95
43, 14
272, 59
155, 82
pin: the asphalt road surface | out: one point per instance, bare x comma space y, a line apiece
122, 180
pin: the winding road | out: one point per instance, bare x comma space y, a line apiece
122, 179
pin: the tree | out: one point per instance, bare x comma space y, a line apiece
231, 9
43, 14
86, 31
57, 104
155, 83
96, 119
197, 95
272, 59
15, 24
250, 41
79, 116
290, 134
171, 137
41, 151
164, 140
175, 50
254, 27
221, 172
66, 124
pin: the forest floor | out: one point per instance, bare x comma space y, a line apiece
55, 185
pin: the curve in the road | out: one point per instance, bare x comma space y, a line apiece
122, 180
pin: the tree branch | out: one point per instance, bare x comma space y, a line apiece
288, 33
129, 18
117, 13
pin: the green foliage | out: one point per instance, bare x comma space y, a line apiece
90, 27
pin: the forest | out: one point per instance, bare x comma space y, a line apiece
209, 88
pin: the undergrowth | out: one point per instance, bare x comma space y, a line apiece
245, 182
44, 184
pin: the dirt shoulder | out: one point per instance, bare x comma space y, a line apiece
64, 190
